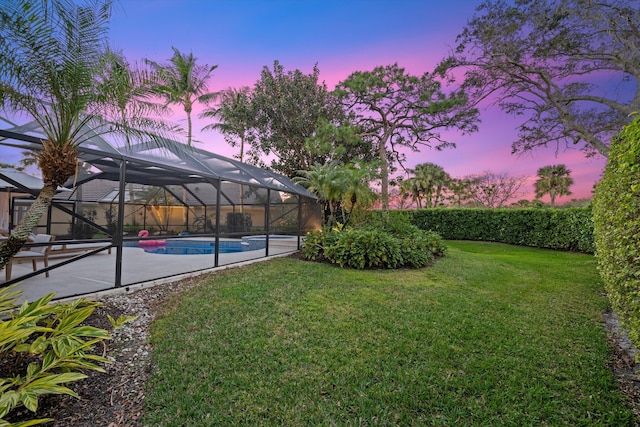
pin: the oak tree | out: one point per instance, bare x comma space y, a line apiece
569, 68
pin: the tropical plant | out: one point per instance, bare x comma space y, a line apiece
56, 344
338, 187
411, 188
323, 181
553, 180
355, 189
52, 60
380, 242
184, 82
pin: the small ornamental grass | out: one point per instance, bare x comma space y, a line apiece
489, 335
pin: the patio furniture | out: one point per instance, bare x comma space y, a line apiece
33, 254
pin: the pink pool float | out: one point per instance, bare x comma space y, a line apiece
145, 233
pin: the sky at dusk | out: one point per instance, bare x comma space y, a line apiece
341, 36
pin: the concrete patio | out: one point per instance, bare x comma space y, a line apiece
96, 273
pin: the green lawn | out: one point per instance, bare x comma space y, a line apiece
489, 335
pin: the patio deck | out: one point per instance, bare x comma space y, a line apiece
96, 273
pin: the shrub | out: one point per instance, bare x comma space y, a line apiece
50, 348
616, 208
382, 242
415, 249
561, 229
81, 229
313, 246
360, 248
435, 243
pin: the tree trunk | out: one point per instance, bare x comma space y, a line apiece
20, 234
384, 175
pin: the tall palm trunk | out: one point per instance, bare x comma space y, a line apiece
20, 234
58, 164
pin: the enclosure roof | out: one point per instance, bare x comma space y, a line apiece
21, 178
159, 162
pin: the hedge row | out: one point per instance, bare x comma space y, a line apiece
616, 209
562, 229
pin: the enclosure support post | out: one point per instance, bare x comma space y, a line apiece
117, 237
217, 251
299, 221
267, 220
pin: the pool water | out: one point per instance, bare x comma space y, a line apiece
189, 247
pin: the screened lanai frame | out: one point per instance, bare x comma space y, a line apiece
202, 184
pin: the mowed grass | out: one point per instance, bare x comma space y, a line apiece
489, 335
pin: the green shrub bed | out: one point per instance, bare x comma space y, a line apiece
384, 243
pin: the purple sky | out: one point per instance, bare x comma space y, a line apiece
341, 36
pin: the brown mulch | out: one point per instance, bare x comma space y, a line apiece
116, 398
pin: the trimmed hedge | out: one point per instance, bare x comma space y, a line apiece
561, 229
616, 208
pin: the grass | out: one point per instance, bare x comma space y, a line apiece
489, 335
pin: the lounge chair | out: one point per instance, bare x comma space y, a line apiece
32, 253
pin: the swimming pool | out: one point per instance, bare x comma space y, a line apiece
191, 247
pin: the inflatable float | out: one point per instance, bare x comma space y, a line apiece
145, 233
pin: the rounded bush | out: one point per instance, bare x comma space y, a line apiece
415, 250
356, 248
312, 248
616, 216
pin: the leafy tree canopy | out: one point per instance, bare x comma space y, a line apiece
555, 62
286, 108
395, 109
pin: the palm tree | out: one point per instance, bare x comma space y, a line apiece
553, 180
324, 182
411, 187
234, 116
354, 183
183, 82
432, 180
130, 87
51, 61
